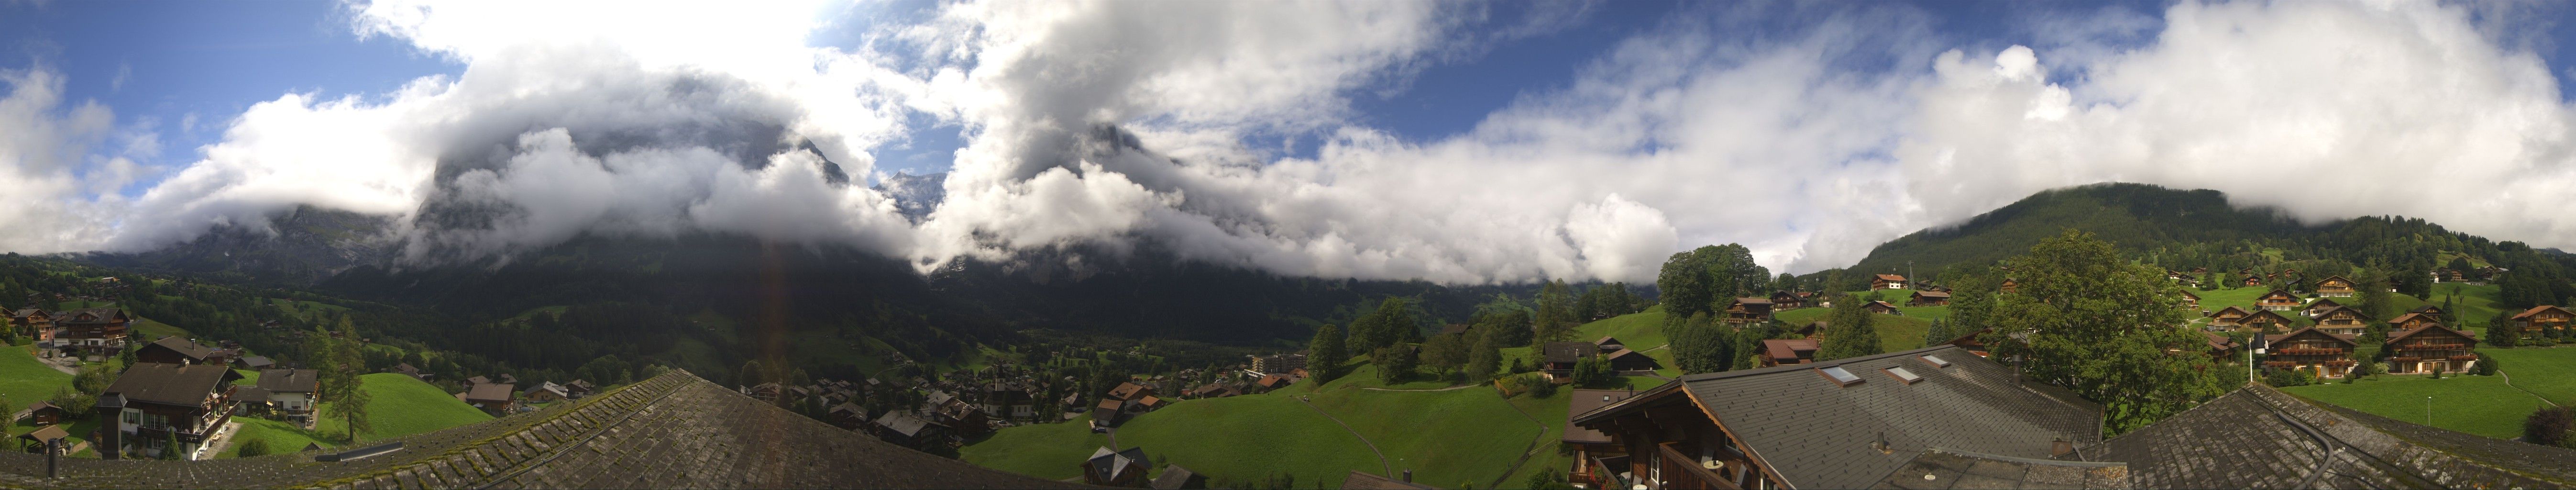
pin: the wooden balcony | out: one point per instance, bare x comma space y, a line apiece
2312, 351
1599, 473
1683, 472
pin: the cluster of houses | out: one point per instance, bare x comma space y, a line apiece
1559, 358
86, 331
968, 404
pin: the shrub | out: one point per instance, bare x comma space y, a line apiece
254, 447
2486, 366
2549, 426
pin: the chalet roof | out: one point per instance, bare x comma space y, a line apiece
50, 432
184, 347
1362, 480
27, 312
2346, 282
2263, 316
1174, 478
1127, 391
1608, 341
1584, 401
1949, 468
91, 315
290, 380
905, 423
256, 362
2402, 319
2345, 339
551, 387
2323, 302
1113, 464
1817, 434
1881, 303
1754, 301
2538, 309
1569, 351
2331, 311
491, 392
1787, 349
2427, 309
1931, 294
2277, 294
1622, 354
2237, 309
1890, 277
185, 385
2430, 329
2220, 342
250, 393
2273, 440
1273, 381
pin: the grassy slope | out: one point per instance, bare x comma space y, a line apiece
1050, 451
2480, 405
1446, 437
25, 380
2549, 372
399, 406
1895, 333
1247, 437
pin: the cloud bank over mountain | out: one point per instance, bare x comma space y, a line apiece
1112, 124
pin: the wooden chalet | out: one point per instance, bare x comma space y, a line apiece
962, 418
2428, 310
1973, 342
1560, 357
1886, 281
2335, 287
905, 429
1214, 390
2344, 321
152, 403
847, 416
294, 393
2540, 317
1270, 382
1774, 352
34, 441
1629, 360
2229, 317
1881, 307
2266, 320
2326, 355
1747, 311
1846, 423
45, 413
2411, 321
2252, 281
98, 330
171, 349
2431, 348
2319, 307
498, 399
1784, 300
33, 323
1928, 298
1116, 468
2009, 286
1106, 413
1130, 391
2277, 300
2189, 301
2224, 349
1588, 444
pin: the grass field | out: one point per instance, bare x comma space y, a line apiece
1448, 438
399, 406
1050, 451
1244, 438
2549, 372
2481, 405
2477, 303
1895, 333
25, 380
1642, 330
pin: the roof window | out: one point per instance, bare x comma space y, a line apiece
1901, 374
1841, 377
1936, 361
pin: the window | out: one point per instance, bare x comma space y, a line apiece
1839, 376
133, 417
1936, 361
1903, 375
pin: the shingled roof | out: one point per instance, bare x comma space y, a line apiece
184, 385
1584, 401
2259, 437
184, 347
290, 380
1818, 434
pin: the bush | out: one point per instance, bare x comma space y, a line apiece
2549, 426
254, 447
2282, 378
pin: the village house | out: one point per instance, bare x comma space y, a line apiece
1929, 298
2229, 317
1116, 468
1009, 401
1130, 391
1214, 390
2009, 286
2277, 300
293, 393
1278, 363
1973, 342
494, 398
1560, 357
847, 416
1105, 414
2252, 281
97, 330
153, 402
902, 428
1774, 352
2344, 321
1784, 300
2309, 349
2335, 287
965, 419
1744, 311
33, 323
1589, 444
2541, 317
2266, 320
2189, 301
2411, 321
175, 350
548, 392
1846, 423
2319, 307
2430, 349
1881, 307
44, 413
1886, 281
2224, 349
581, 387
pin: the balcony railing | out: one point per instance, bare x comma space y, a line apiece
2313, 351
2464, 357
1680, 472
1603, 474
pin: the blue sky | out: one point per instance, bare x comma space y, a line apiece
1469, 142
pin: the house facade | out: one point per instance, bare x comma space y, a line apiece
153, 403
2266, 320
2344, 321
34, 323
2335, 287
1886, 281
2189, 301
1784, 300
2277, 300
2542, 317
2229, 317
2312, 350
2411, 321
1747, 311
2429, 349
294, 393
97, 330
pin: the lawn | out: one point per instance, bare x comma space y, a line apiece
1244, 438
25, 380
148, 330
1448, 438
1050, 451
1895, 333
2481, 405
2477, 303
2550, 372
1640, 331
399, 406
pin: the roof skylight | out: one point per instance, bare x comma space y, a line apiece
1936, 361
1840, 376
1900, 373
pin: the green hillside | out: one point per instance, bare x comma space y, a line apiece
400, 406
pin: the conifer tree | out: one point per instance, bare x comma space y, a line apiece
1852, 331
1327, 354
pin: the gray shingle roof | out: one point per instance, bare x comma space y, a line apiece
2259, 437
1943, 469
290, 380
1818, 435
171, 384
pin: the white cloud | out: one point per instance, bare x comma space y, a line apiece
1109, 123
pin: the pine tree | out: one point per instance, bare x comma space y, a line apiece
1853, 334
1327, 354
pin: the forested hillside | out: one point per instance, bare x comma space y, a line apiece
2185, 229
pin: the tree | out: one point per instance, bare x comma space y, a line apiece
2500, 333
1700, 346
2373, 299
170, 446
2550, 426
1327, 354
1593, 371
1555, 316
1587, 305
1485, 357
2096, 324
1853, 331
1394, 363
253, 447
1684, 283
353, 407
2450, 309
1506, 319
1444, 354
2460, 263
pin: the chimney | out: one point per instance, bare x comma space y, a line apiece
1408, 476
53, 455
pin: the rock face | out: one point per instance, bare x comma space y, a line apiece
672, 431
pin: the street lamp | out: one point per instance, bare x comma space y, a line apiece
2428, 411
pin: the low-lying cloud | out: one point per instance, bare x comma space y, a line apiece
1109, 124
